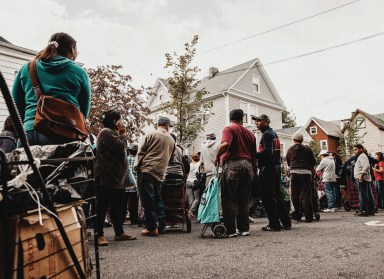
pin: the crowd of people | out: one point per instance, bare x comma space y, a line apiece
131, 177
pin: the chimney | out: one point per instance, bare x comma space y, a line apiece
212, 72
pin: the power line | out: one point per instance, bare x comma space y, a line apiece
301, 55
264, 32
277, 28
345, 95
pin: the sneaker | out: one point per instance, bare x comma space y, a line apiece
335, 208
243, 233
362, 214
147, 232
125, 237
270, 229
232, 235
101, 241
328, 210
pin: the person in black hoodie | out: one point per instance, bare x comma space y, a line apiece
301, 161
269, 162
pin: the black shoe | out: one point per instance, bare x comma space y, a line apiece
371, 214
270, 229
362, 214
161, 230
287, 228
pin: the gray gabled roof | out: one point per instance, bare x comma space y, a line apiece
288, 131
330, 128
4, 40
225, 79
380, 117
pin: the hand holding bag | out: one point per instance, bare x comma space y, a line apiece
55, 117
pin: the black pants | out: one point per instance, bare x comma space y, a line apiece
272, 197
236, 184
131, 204
112, 199
302, 184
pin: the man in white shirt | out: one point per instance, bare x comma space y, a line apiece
327, 167
363, 179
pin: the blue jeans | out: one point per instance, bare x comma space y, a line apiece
330, 192
367, 203
380, 192
154, 209
36, 138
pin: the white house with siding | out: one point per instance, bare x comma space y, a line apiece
11, 59
370, 129
246, 86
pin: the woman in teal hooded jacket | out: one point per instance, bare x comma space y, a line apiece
60, 77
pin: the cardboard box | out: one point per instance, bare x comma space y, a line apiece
40, 249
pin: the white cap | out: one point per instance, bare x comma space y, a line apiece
323, 152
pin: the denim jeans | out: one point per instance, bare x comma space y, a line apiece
154, 209
36, 138
272, 197
380, 192
193, 197
330, 192
367, 203
236, 185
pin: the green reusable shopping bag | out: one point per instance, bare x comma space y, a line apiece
209, 208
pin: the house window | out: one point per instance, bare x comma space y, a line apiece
256, 84
244, 107
253, 111
360, 123
313, 130
161, 94
324, 145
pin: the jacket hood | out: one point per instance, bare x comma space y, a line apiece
298, 147
209, 143
56, 64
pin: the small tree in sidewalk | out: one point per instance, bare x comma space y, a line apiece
289, 119
315, 147
349, 137
186, 104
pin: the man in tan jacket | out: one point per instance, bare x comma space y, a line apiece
151, 162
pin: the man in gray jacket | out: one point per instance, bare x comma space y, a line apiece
151, 162
327, 167
363, 179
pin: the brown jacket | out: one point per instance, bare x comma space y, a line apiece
154, 153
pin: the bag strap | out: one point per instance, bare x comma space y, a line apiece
35, 81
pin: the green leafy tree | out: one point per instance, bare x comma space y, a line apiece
186, 104
350, 137
315, 147
289, 119
112, 90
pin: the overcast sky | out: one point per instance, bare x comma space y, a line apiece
137, 33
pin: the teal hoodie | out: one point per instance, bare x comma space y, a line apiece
59, 77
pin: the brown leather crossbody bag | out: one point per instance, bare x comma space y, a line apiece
55, 117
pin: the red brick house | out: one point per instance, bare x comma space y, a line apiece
326, 133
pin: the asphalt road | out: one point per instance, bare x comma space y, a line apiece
338, 246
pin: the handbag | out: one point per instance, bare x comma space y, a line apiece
55, 117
